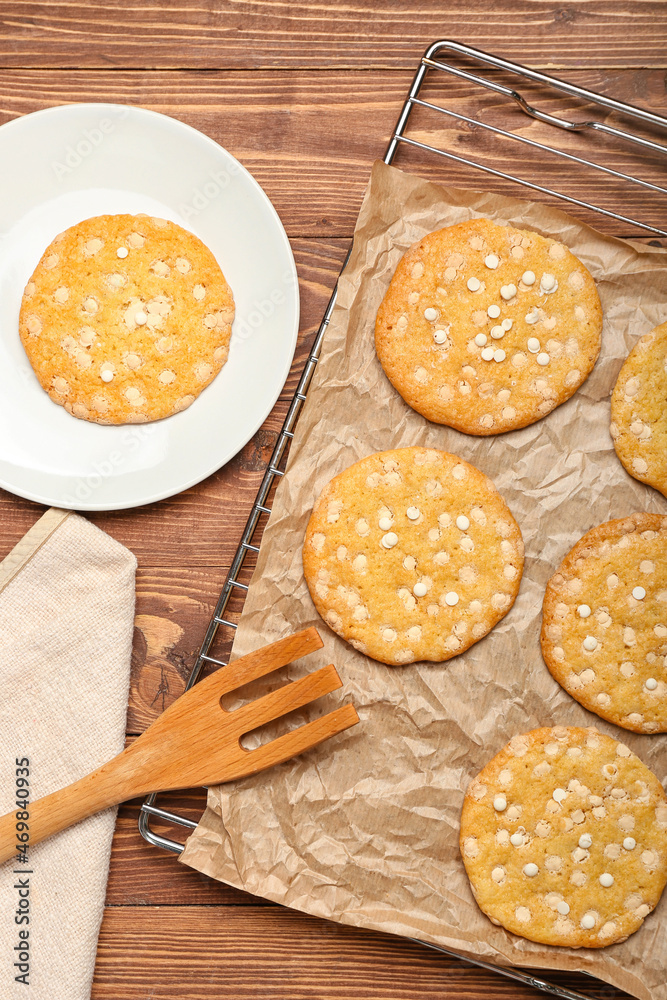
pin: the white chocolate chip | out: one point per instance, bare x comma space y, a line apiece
474, 284
530, 869
451, 598
420, 590
106, 375
606, 880
140, 317
500, 803
533, 345
122, 252
590, 643
385, 523
491, 261
462, 522
499, 355
543, 359
639, 593
629, 843
481, 339
588, 921
430, 314
493, 312
563, 908
651, 683
583, 611
507, 324
487, 354
508, 292
559, 794
548, 283
440, 336
389, 540
585, 840
93, 246
516, 840
528, 278
413, 513
497, 332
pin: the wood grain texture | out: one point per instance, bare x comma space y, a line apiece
242, 34
286, 87
310, 138
142, 875
247, 953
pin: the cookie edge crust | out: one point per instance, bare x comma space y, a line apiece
310, 567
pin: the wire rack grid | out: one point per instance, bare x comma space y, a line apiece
442, 59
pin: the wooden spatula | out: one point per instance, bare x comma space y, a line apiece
197, 742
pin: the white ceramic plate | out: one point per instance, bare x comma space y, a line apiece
65, 164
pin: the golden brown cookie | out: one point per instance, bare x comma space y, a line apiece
412, 555
564, 838
486, 328
126, 319
639, 410
604, 622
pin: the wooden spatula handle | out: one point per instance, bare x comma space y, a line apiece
107, 786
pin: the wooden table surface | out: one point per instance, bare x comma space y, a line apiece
305, 95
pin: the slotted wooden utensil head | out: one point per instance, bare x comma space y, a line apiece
197, 742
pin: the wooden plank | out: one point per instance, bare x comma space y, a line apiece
143, 875
243, 953
249, 34
310, 138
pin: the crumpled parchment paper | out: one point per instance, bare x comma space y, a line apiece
365, 828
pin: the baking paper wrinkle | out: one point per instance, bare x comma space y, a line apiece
364, 829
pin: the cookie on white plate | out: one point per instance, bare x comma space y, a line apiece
126, 318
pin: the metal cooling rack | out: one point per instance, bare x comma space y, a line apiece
431, 69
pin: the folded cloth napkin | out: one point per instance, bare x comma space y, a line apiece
66, 618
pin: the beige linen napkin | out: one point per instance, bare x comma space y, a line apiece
66, 619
